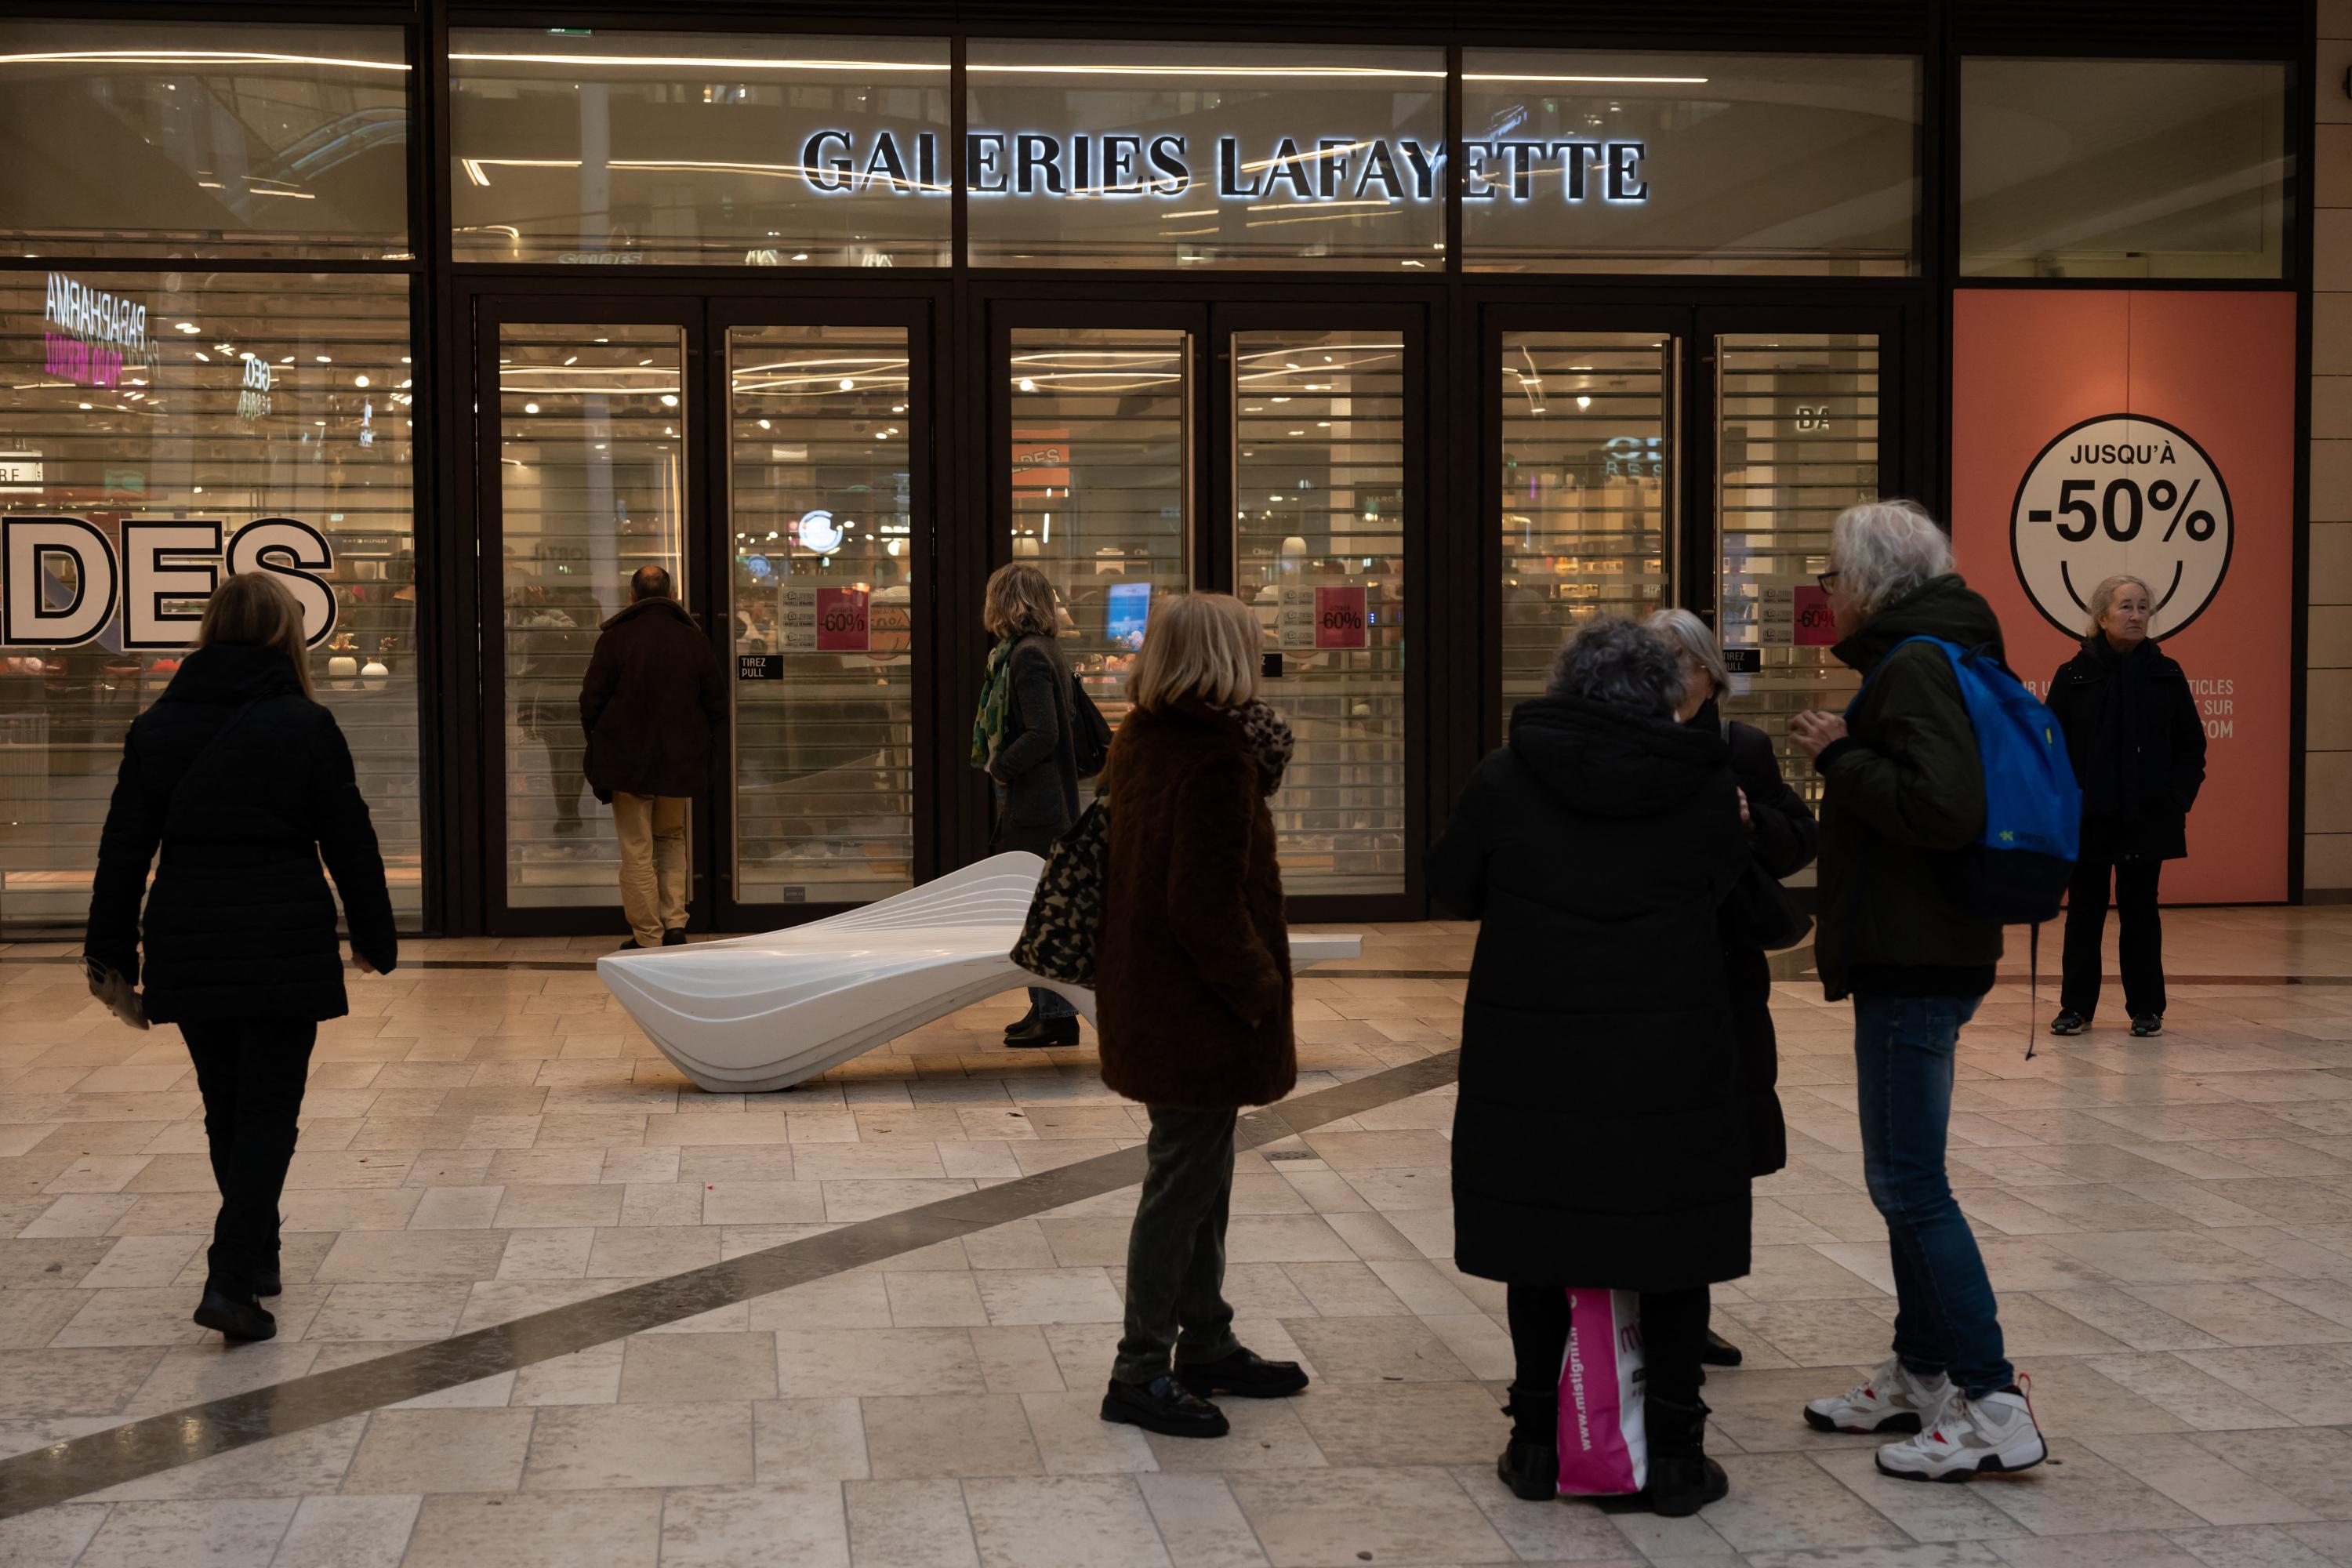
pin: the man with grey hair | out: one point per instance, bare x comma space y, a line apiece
1905, 792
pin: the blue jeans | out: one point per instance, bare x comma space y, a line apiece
1050, 1003
1945, 1320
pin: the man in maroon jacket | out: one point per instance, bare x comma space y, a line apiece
652, 703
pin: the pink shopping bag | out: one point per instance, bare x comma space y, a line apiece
1603, 1450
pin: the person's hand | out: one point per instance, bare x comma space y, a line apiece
1746, 820
361, 958
1816, 731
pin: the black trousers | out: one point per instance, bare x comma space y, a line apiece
1176, 1250
251, 1075
2140, 944
1673, 1329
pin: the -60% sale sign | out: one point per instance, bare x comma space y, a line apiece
2121, 494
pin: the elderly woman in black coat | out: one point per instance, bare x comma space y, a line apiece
245, 784
1026, 738
1599, 1139
2137, 744
1783, 838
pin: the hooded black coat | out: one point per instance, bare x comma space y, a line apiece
240, 925
1600, 1137
1781, 836
654, 702
2137, 744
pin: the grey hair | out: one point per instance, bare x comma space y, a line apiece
1688, 639
1619, 662
1885, 549
2103, 595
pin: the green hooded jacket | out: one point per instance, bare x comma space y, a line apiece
1904, 790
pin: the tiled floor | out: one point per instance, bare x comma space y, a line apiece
2170, 1223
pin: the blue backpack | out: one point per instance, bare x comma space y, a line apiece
2017, 870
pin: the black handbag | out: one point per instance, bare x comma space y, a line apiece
1057, 940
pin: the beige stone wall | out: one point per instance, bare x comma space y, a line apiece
2327, 761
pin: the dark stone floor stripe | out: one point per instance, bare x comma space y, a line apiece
83, 1465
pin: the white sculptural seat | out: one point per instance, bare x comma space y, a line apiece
756, 1013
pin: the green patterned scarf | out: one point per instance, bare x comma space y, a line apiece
987, 725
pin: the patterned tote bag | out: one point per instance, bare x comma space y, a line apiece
1058, 940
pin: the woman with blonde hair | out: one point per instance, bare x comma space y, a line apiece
2137, 744
1192, 983
245, 784
1024, 738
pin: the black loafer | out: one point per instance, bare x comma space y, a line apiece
1040, 1031
232, 1317
1244, 1374
1718, 1351
1530, 1470
1164, 1406
631, 945
674, 937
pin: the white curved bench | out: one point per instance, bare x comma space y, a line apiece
756, 1013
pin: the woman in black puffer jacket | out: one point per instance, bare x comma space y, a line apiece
245, 783
2137, 744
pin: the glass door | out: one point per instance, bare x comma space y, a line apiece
589, 428
827, 547
1800, 434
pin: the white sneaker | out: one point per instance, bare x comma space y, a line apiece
1895, 1399
1970, 1437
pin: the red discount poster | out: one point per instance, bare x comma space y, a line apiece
840, 620
1339, 617
2104, 432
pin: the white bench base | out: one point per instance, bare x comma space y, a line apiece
757, 1013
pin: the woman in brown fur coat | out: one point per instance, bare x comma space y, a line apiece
1193, 987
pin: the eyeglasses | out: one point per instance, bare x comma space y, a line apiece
1828, 580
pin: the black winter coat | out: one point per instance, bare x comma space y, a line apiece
1192, 960
239, 924
1782, 838
1600, 1137
2137, 744
1036, 762
652, 703
1903, 790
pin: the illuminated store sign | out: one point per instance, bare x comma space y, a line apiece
65, 583
1305, 169
89, 332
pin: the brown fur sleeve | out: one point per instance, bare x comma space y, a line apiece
1208, 913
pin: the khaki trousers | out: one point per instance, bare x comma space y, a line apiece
652, 831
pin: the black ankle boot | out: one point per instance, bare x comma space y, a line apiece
234, 1314
1531, 1471
1683, 1480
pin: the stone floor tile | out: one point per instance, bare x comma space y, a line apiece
2267, 1546
1073, 1439
1018, 1296
1200, 1525
699, 1368
51, 1537
1375, 1350
1267, 1434
810, 1440
583, 1448
1329, 1518
1403, 1423
911, 1436
441, 1451
591, 1376
2313, 1385
2198, 1399
904, 1362
1780, 1502
611, 1529
910, 1524
1063, 1522
726, 1527
2186, 1473
1936, 1555
2312, 1467
859, 1300
2084, 1495
369, 1312
198, 1530
348, 1532
1929, 1514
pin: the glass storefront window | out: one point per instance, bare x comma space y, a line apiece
158, 431
1588, 489
1102, 499
1319, 549
592, 469
824, 552
1797, 441
614, 148
1681, 163
2124, 168
1115, 155
203, 139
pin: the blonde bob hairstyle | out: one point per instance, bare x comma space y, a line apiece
2102, 599
1201, 647
256, 609
1019, 603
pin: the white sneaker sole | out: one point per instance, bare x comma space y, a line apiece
2024, 1453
